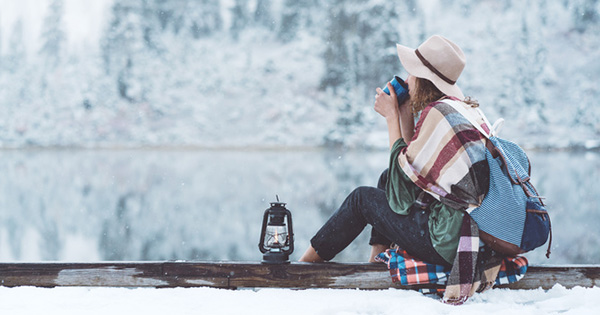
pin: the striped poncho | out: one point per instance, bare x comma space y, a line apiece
446, 156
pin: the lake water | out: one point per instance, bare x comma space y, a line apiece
99, 205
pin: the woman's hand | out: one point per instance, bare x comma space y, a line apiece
387, 105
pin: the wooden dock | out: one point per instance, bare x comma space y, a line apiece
232, 275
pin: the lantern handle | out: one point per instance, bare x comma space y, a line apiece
290, 236
261, 244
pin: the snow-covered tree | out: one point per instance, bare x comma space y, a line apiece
297, 15
530, 70
122, 44
188, 61
16, 54
239, 18
290, 20
262, 14
336, 57
204, 17
375, 43
53, 36
585, 14
1, 46
360, 55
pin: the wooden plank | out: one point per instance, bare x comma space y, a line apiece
295, 275
81, 274
568, 276
252, 274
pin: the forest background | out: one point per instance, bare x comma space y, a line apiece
289, 73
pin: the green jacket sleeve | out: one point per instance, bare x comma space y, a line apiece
401, 192
444, 222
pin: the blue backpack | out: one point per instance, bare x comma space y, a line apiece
512, 218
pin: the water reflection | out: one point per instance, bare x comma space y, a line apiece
208, 205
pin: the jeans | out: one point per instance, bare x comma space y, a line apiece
369, 205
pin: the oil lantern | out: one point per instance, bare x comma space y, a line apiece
277, 235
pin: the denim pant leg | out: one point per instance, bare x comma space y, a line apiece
369, 205
376, 237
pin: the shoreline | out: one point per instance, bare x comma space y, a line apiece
269, 148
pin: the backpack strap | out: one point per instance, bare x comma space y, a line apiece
497, 124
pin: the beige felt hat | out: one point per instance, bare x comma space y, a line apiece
438, 60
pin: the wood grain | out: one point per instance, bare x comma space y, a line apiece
231, 275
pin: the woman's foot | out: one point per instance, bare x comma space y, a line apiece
377, 249
311, 256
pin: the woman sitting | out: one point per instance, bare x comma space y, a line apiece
437, 168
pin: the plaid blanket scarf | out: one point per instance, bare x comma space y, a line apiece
474, 269
446, 156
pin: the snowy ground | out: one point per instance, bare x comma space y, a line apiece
28, 300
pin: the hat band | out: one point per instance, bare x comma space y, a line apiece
432, 68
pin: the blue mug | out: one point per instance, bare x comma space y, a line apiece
400, 87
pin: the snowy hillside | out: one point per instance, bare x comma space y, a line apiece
282, 73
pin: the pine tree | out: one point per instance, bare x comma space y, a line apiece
1, 53
239, 18
15, 58
336, 57
150, 26
360, 48
299, 15
532, 57
204, 18
375, 44
262, 14
360, 55
585, 14
53, 36
12, 89
123, 42
290, 20
343, 61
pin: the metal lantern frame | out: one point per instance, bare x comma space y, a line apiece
277, 216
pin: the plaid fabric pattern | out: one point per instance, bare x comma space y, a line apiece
409, 270
446, 157
512, 270
467, 275
464, 279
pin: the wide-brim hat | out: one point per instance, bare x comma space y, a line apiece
438, 60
